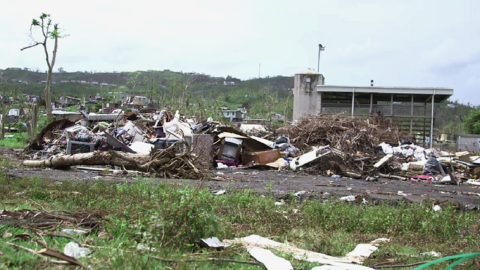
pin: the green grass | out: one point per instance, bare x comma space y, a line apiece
172, 219
19, 140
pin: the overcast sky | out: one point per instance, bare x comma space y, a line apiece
431, 43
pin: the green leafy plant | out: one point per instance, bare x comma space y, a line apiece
472, 123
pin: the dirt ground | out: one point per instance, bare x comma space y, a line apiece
282, 183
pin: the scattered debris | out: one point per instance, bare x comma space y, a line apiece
270, 260
169, 145
350, 198
220, 192
74, 231
72, 249
432, 254
357, 256
213, 242
365, 250
144, 247
43, 220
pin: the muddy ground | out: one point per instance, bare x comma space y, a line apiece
281, 184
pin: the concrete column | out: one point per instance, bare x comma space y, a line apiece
391, 105
319, 102
411, 115
305, 97
371, 103
431, 120
353, 101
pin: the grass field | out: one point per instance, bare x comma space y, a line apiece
19, 140
170, 220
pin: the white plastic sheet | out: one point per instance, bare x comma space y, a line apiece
270, 260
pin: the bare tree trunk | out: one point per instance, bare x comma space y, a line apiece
48, 93
48, 98
33, 121
4, 120
93, 158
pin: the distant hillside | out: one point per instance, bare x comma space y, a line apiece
140, 81
192, 92
164, 87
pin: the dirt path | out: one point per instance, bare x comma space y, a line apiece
284, 183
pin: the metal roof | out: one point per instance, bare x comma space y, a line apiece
421, 93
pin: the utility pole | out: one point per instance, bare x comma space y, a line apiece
320, 49
259, 67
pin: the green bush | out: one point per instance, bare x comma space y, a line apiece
472, 124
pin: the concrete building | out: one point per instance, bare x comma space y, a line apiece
66, 101
412, 107
235, 115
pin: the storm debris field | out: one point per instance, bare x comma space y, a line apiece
171, 145
196, 169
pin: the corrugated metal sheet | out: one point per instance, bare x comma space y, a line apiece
469, 142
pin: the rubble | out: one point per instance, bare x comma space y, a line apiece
170, 145
354, 142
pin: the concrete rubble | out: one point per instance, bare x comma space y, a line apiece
171, 145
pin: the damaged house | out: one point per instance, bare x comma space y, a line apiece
67, 101
237, 115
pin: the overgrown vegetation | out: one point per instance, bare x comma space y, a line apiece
19, 140
472, 124
171, 219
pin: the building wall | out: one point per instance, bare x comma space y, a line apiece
306, 98
468, 142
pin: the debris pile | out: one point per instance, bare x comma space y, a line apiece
346, 134
352, 143
169, 145
159, 143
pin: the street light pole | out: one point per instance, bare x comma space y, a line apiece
320, 48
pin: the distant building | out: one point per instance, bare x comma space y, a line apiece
228, 83
72, 116
13, 115
108, 107
278, 117
139, 100
66, 101
235, 115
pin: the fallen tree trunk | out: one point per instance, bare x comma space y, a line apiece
93, 158
162, 163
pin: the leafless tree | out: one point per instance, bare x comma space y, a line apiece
49, 30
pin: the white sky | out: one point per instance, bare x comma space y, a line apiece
434, 43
